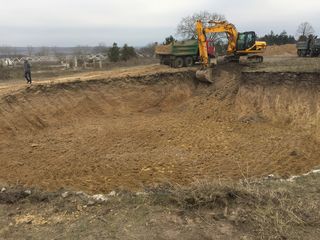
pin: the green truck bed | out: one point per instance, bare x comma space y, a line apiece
179, 54
181, 48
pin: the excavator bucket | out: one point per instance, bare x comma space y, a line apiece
205, 75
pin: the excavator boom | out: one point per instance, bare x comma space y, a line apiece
202, 40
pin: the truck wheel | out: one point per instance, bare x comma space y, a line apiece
188, 61
178, 62
304, 53
299, 53
314, 53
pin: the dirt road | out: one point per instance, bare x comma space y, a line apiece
12, 86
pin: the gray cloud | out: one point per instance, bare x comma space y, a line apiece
138, 22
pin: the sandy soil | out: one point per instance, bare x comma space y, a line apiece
137, 127
282, 50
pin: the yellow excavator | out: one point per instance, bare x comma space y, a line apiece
239, 45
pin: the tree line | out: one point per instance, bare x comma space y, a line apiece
304, 31
114, 53
125, 53
271, 39
278, 39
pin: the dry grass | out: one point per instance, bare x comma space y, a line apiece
205, 210
287, 64
268, 210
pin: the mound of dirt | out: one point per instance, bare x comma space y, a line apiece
281, 50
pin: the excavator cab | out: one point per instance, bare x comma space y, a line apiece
246, 41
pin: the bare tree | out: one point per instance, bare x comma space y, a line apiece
81, 50
6, 50
101, 48
304, 30
44, 51
57, 52
148, 50
30, 50
186, 27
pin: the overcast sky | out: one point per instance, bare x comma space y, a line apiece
138, 22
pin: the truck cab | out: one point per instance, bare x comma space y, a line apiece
211, 48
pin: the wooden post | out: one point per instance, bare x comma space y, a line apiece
66, 65
75, 62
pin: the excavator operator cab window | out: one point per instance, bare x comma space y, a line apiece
241, 43
251, 39
246, 40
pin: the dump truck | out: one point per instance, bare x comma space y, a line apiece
309, 48
182, 53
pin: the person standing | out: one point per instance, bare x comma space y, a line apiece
27, 71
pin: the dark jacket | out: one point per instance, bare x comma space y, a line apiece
27, 66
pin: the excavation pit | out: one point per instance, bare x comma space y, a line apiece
136, 131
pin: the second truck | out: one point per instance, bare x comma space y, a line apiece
309, 47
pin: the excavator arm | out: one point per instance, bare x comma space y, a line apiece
202, 40
219, 27
228, 28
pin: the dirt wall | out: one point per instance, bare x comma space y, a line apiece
284, 98
41, 106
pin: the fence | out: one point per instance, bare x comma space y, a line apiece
85, 61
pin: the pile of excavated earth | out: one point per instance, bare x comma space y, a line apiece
283, 50
151, 125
